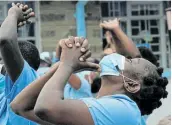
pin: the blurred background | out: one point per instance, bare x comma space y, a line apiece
145, 22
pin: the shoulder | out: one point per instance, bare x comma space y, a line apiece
114, 108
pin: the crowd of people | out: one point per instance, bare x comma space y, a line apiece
122, 88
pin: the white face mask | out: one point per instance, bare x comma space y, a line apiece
114, 65
110, 63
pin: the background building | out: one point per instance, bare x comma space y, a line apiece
143, 21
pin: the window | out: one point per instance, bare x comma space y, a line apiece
2, 10
144, 9
114, 9
143, 19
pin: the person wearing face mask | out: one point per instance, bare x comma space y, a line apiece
130, 88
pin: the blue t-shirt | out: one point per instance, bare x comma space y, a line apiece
113, 110
82, 92
2, 83
7, 116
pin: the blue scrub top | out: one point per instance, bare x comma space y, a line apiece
7, 116
113, 110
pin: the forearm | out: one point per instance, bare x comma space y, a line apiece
11, 55
8, 28
31, 115
127, 45
30, 94
55, 86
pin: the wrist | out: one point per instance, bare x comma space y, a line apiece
116, 28
13, 14
68, 67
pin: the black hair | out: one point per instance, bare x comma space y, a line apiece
30, 53
96, 61
153, 89
147, 54
95, 86
3, 70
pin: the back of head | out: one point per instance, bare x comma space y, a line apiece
30, 53
148, 54
153, 89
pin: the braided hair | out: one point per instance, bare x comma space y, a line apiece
153, 89
148, 54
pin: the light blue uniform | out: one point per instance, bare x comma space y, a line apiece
2, 83
7, 116
113, 110
82, 92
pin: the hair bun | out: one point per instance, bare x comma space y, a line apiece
160, 70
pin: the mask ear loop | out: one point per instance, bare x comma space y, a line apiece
122, 74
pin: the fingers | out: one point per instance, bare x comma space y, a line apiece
21, 23
72, 41
27, 11
78, 42
21, 6
69, 43
85, 56
91, 66
28, 21
102, 25
62, 43
32, 14
13, 4
105, 21
25, 7
85, 46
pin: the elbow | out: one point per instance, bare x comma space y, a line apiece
41, 112
19, 108
4, 41
16, 108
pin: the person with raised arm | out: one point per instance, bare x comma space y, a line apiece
130, 88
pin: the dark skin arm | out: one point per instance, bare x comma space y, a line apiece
74, 80
70, 112
29, 96
110, 41
124, 45
9, 48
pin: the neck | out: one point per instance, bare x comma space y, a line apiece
110, 89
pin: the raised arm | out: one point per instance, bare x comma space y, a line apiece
29, 96
61, 111
9, 48
110, 41
125, 45
74, 80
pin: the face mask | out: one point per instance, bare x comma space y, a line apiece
112, 64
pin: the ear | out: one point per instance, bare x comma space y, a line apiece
132, 87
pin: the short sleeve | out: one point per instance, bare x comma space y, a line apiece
83, 92
144, 119
109, 111
27, 76
2, 83
85, 86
